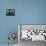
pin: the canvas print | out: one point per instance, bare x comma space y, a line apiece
10, 12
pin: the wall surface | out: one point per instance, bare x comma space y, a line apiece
27, 12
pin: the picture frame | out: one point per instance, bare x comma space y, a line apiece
10, 12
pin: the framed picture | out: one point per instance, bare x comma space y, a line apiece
10, 12
32, 32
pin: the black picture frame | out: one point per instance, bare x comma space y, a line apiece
10, 12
